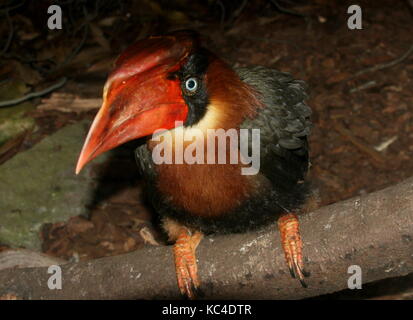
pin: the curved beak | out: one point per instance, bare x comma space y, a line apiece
133, 108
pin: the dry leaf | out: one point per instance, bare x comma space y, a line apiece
147, 236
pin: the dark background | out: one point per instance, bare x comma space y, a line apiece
361, 93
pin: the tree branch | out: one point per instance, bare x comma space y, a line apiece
374, 231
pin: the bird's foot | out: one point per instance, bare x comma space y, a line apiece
185, 262
292, 245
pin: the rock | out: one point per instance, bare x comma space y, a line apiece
13, 121
39, 186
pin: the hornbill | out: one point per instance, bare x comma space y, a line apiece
171, 83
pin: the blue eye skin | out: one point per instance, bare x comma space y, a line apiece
191, 85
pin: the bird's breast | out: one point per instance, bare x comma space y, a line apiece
203, 189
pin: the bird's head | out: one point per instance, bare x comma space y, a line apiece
159, 82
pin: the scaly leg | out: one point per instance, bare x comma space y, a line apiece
185, 261
292, 245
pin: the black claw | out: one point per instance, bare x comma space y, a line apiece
292, 272
186, 297
304, 272
198, 293
295, 271
303, 283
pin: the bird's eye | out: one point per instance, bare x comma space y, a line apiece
191, 85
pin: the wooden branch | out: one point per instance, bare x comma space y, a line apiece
374, 231
68, 102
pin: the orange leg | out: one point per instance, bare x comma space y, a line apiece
185, 262
292, 245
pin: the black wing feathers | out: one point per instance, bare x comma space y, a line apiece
284, 123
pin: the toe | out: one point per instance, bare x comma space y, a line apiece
292, 246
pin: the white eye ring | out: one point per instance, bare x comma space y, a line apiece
191, 84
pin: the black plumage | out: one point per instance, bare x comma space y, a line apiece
196, 66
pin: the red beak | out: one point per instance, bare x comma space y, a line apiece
138, 97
